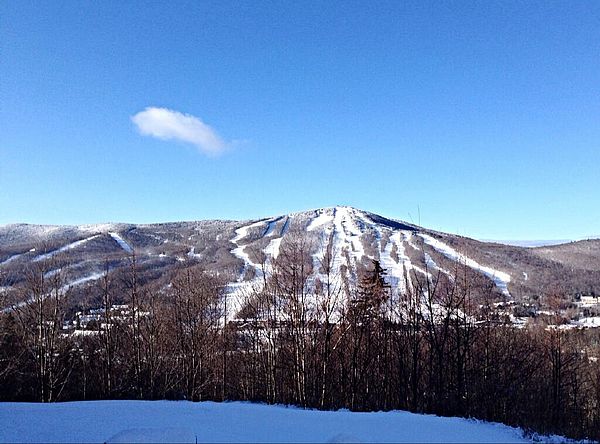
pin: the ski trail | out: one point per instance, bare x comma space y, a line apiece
239, 252
272, 249
62, 290
122, 243
15, 256
83, 280
322, 218
431, 264
395, 268
409, 240
500, 278
352, 232
286, 226
70, 246
270, 230
238, 291
342, 245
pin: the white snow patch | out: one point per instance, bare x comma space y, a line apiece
83, 280
588, 322
122, 243
410, 241
84, 333
237, 292
273, 248
323, 217
395, 268
61, 290
170, 421
433, 265
270, 231
192, 253
239, 252
346, 238
351, 230
500, 278
11, 258
70, 246
154, 435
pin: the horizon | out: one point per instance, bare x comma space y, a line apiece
513, 242
474, 119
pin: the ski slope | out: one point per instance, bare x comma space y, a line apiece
122, 242
70, 246
346, 231
500, 278
181, 421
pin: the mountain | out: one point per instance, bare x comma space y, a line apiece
237, 251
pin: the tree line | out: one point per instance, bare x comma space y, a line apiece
326, 342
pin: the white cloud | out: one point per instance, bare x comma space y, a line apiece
167, 124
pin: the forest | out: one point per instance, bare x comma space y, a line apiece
433, 345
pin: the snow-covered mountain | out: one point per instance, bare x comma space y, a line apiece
241, 251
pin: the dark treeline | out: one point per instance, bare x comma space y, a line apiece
326, 343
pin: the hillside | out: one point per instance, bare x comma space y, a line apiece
240, 251
331, 308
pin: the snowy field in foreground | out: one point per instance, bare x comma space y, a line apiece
166, 421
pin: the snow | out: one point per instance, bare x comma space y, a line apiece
192, 253
347, 218
11, 258
70, 246
84, 333
237, 292
239, 252
500, 278
323, 217
270, 231
431, 264
396, 269
61, 290
347, 225
182, 421
97, 228
339, 242
122, 243
81, 281
410, 241
588, 322
273, 248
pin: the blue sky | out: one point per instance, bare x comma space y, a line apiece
481, 117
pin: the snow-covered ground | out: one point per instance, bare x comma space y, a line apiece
70, 246
500, 278
346, 227
239, 251
237, 292
122, 242
171, 421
